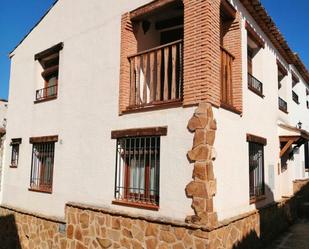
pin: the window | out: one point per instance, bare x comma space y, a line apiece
137, 169
15, 152
255, 43
42, 165
256, 167
49, 60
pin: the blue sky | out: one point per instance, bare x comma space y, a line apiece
17, 17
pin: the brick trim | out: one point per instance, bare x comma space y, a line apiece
150, 131
281, 68
54, 49
256, 139
254, 36
43, 139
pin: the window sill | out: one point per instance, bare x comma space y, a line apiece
40, 190
153, 106
230, 108
256, 92
45, 99
286, 112
13, 166
256, 199
136, 205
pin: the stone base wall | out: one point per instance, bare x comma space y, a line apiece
96, 228
20, 230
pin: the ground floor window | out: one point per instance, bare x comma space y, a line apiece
138, 169
15, 143
138, 162
256, 166
42, 164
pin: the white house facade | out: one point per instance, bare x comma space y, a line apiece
92, 122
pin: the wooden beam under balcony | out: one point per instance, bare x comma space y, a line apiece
227, 11
154, 6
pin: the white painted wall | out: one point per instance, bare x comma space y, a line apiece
86, 111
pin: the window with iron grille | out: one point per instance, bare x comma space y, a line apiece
42, 166
15, 152
256, 169
137, 170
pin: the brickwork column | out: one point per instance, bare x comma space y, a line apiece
128, 47
201, 51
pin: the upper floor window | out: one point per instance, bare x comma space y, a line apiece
138, 167
282, 72
15, 152
295, 80
254, 44
256, 166
156, 68
42, 164
49, 61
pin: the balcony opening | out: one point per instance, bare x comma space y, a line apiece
282, 91
227, 16
49, 68
254, 60
156, 68
230, 46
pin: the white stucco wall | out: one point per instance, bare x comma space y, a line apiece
86, 111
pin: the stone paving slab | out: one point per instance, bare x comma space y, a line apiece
297, 237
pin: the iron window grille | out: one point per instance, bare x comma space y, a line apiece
42, 166
15, 152
137, 170
256, 170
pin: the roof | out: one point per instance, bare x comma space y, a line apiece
3, 100
260, 15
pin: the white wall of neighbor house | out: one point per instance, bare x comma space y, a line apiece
3, 112
86, 111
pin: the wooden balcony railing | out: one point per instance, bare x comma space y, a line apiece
226, 77
255, 85
156, 76
295, 97
46, 93
283, 105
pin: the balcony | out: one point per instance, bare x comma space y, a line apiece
46, 93
156, 76
255, 85
283, 105
295, 97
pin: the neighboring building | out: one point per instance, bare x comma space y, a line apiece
3, 113
101, 95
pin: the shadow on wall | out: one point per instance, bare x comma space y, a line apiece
8, 233
274, 218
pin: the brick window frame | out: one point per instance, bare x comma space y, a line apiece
42, 163
230, 45
137, 170
201, 74
256, 146
15, 144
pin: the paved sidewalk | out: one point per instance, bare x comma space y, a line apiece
297, 237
